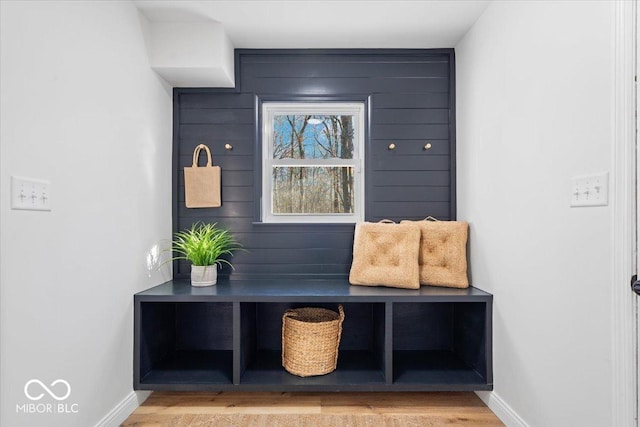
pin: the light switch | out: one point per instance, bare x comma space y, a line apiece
30, 194
590, 190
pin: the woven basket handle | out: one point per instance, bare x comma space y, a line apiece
290, 313
430, 218
386, 221
196, 155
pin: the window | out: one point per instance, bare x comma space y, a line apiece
312, 156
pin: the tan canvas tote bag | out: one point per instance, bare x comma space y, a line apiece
202, 184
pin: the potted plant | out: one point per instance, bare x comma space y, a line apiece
204, 245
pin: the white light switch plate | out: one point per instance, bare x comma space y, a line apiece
30, 194
590, 190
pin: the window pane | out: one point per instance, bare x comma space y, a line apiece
312, 190
313, 136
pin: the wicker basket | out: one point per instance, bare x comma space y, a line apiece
310, 340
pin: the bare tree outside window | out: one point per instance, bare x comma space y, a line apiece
313, 189
312, 162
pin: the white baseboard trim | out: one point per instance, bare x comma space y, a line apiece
119, 414
502, 410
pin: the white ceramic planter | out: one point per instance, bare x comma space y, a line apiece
204, 275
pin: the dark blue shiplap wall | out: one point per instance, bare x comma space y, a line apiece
410, 98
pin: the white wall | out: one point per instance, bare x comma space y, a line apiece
80, 107
534, 99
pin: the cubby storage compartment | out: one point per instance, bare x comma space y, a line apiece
360, 356
229, 337
441, 344
182, 344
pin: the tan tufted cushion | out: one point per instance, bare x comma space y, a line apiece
443, 253
385, 255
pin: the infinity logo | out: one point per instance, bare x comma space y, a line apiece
52, 394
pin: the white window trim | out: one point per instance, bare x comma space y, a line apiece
271, 109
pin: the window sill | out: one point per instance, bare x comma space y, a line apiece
304, 224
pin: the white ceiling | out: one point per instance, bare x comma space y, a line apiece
328, 23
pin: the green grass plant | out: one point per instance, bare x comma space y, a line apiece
204, 244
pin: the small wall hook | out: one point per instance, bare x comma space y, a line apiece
392, 146
427, 146
228, 147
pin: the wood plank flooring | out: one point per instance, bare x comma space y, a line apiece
182, 409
